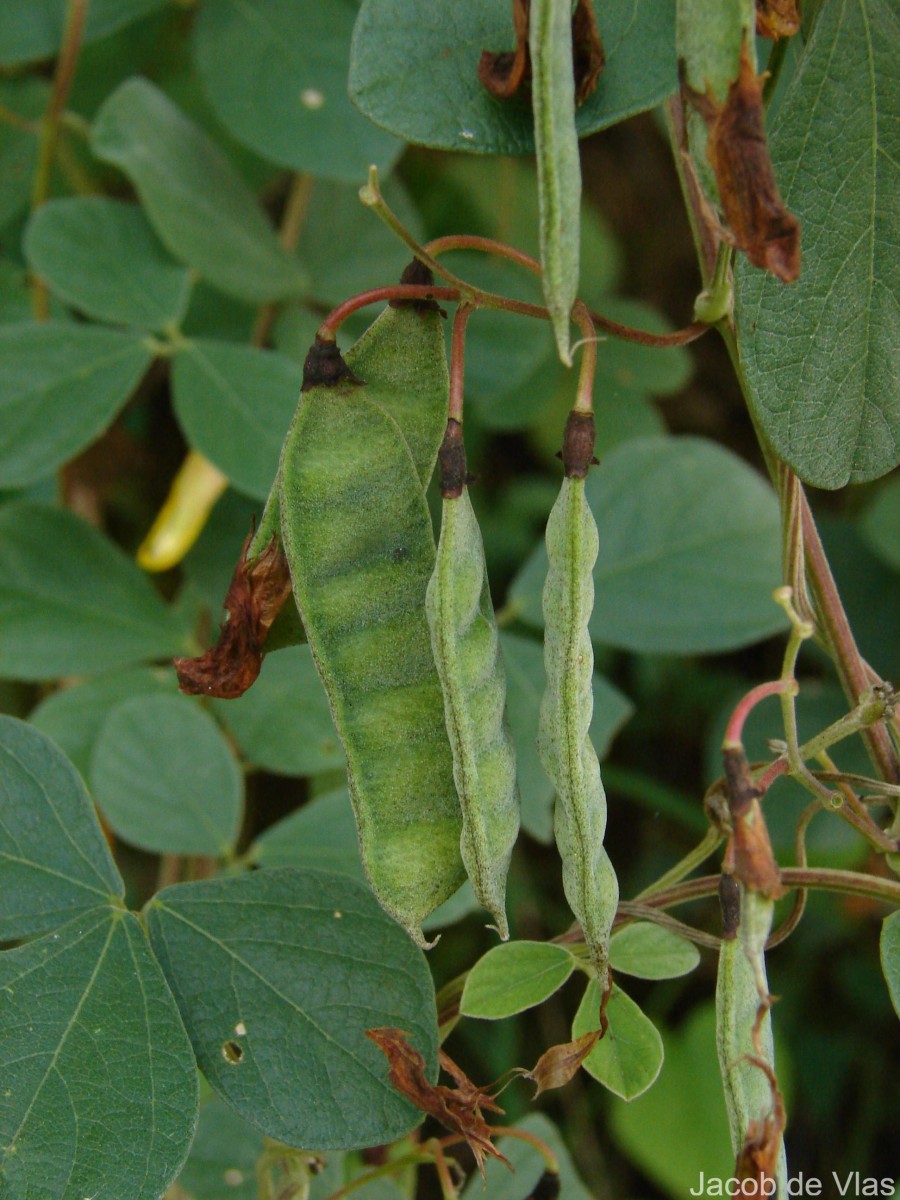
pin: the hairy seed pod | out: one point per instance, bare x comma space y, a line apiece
469, 663
556, 150
566, 708
748, 1091
358, 539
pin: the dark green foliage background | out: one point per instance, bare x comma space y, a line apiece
160, 251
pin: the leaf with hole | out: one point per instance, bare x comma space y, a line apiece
73, 603
284, 95
102, 257
511, 978
165, 778
418, 77
819, 357
63, 385
199, 206
263, 967
628, 1058
690, 551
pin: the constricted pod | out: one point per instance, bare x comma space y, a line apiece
470, 666
565, 747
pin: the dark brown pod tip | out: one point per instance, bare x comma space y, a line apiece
452, 462
547, 1187
740, 787
578, 444
730, 900
324, 366
422, 276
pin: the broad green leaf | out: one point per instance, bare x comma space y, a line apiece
819, 357
99, 1091
63, 384
880, 524
371, 255
35, 30
679, 1128
102, 257
54, 860
321, 834
522, 1182
235, 404
628, 1058
890, 957
74, 716
285, 95
650, 952
263, 967
72, 603
222, 1161
417, 77
26, 98
283, 723
165, 778
525, 682
198, 205
689, 550
628, 368
513, 977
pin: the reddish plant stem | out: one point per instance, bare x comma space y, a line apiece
827, 879
63, 78
852, 669
457, 362
398, 291
747, 703
628, 333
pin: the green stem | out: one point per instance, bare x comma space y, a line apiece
700, 853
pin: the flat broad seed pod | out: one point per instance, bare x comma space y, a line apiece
357, 535
564, 744
469, 663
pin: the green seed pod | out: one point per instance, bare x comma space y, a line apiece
467, 653
358, 539
559, 170
748, 1092
566, 708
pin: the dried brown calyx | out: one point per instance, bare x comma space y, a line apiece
777, 18
504, 72
452, 462
325, 367
750, 856
458, 1108
257, 591
577, 453
758, 222
419, 274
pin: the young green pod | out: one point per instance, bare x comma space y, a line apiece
747, 1088
564, 744
467, 653
357, 535
559, 169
